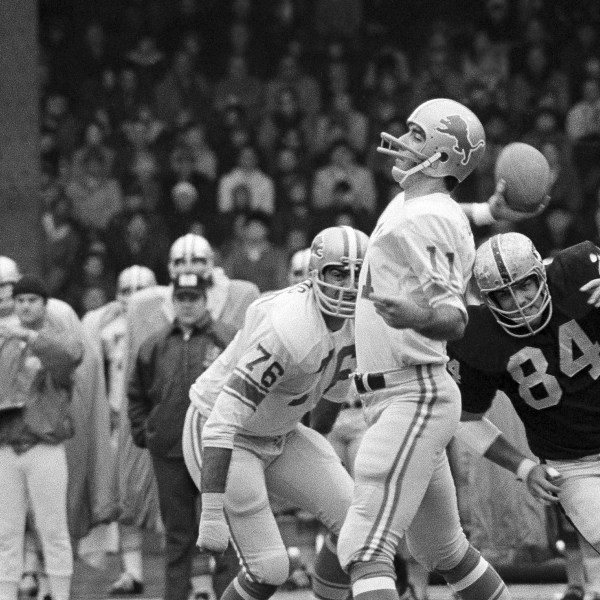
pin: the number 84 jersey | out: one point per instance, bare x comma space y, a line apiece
552, 378
282, 361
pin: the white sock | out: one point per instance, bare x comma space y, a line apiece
44, 585
132, 563
591, 562
203, 583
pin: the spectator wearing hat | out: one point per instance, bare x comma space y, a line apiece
166, 365
37, 360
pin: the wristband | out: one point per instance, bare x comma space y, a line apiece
481, 214
524, 468
212, 503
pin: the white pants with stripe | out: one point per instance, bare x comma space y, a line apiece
300, 467
580, 495
403, 483
36, 479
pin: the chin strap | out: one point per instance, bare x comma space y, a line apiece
419, 167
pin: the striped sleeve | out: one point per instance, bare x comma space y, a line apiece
258, 372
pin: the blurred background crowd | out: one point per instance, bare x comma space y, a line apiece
255, 122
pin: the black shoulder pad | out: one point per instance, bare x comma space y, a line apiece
570, 269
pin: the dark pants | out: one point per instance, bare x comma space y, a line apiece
179, 504
178, 497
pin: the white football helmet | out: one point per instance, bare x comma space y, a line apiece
299, 266
454, 141
343, 247
132, 279
501, 262
191, 253
9, 271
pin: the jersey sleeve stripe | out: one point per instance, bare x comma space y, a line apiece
250, 380
246, 388
236, 396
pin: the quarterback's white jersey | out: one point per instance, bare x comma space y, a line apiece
278, 366
423, 248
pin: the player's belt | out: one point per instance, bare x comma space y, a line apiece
368, 382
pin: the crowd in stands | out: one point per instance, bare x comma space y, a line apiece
255, 122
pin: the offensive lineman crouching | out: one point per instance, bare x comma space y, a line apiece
296, 347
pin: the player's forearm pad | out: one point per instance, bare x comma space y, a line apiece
479, 435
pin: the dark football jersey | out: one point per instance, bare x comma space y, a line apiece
552, 378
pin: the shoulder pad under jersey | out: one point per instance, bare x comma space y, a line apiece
570, 269
300, 326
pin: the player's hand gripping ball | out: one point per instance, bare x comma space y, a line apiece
527, 175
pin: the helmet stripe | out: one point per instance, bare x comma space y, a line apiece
353, 246
359, 253
346, 240
499, 260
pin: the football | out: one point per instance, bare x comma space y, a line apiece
527, 175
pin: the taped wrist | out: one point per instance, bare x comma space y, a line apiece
524, 468
212, 505
481, 214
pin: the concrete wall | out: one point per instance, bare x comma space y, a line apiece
20, 233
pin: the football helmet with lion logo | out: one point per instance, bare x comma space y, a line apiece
454, 141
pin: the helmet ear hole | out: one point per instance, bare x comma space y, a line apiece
444, 157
